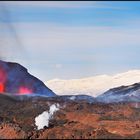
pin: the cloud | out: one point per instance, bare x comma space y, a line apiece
52, 41
62, 4
58, 66
84, 49
53, 36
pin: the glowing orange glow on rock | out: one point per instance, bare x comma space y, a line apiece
3, 75
1, 88
25, 90
3, 78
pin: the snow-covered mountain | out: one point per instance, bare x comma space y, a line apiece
93, 86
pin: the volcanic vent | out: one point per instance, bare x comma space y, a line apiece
16, 80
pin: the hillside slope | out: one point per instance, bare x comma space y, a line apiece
15, 79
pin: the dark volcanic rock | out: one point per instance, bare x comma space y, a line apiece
15, 79
117, 120
83, 98
129, 93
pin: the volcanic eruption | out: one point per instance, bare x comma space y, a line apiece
16, 80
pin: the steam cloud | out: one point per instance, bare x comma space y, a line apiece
44, 118
72, 98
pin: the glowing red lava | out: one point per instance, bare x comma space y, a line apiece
25, 90
3, 75
1, 88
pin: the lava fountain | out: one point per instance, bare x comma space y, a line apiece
25, 90
3, 78
15, 80
1, 87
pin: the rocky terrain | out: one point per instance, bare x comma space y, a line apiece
30, 110
74, 119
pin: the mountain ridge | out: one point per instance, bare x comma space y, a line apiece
129, 93
93, 86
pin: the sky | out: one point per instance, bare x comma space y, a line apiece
69, 40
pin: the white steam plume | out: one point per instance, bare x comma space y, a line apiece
43, 119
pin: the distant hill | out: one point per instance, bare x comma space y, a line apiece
129, 93
93, 86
